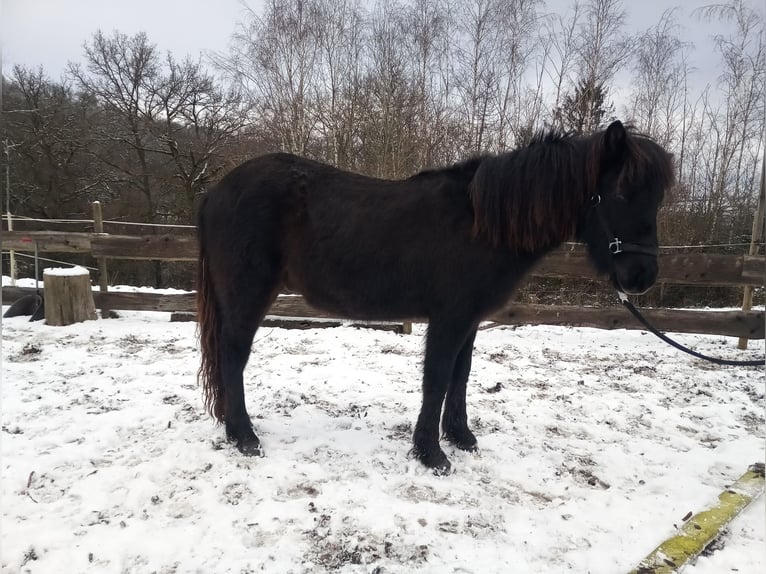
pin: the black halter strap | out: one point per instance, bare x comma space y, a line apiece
616, 245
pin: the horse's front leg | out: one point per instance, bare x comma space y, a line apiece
443, 343
455, 418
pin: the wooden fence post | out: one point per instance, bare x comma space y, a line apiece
755, 240
12, 254
103, 279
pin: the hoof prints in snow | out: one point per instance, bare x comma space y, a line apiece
334, 546
110, 463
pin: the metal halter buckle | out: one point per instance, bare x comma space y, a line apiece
615, 246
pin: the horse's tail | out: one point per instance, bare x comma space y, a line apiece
208, 326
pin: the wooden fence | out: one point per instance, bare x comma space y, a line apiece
570, 261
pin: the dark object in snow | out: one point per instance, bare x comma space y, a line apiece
31, 349
448, 245
32, 304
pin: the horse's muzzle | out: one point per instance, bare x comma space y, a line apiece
635, 274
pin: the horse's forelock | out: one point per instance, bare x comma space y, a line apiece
645, 161
649, 163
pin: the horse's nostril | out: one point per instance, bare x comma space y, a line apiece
636, 278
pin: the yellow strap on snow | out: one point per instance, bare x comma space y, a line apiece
701, 529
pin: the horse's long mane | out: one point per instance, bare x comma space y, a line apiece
532, 198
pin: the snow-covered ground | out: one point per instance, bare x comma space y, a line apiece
594, 444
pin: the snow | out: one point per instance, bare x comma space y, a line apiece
594, 444
75, 271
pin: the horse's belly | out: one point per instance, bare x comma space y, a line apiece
362, 291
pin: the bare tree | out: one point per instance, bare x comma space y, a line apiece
478, 44
735, 124
158, 128
193, 121
275, 61
120, 74
46, 121
602, 48
561, 44
519, 105
428, 29
341, 39
390, 96
660, 70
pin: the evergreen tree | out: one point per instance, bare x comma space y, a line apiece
585, 110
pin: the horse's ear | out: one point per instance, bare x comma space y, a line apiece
615, 142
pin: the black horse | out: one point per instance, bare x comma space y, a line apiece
447, 245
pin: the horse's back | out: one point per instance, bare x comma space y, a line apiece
319, 200
261, 178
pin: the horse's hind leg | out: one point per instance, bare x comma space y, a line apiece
455, 418
245, 309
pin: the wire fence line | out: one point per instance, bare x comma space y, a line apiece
159, 225
22, 218
48, 260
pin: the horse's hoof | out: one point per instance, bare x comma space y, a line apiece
436, 460
443, 469
466, 444
464, 440
250, 448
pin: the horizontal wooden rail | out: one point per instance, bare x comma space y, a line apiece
167, 247
679, 269
744, 324
749, 324
47, 241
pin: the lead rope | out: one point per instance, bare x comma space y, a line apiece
635, 312
616, 246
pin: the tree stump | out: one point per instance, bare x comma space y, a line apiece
68, 296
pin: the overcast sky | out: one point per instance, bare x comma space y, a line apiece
52, 32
